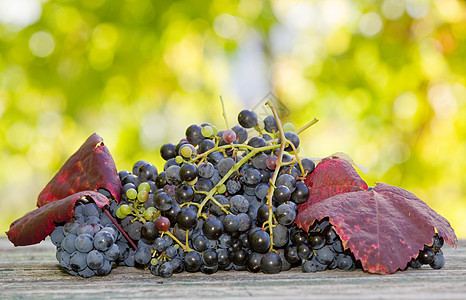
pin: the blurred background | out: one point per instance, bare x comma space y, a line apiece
386, 79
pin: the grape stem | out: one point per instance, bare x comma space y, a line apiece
224, 113
298, 160
235, 168
313, 121
278, 163
130, 241
185, 247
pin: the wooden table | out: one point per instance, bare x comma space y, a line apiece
33, 271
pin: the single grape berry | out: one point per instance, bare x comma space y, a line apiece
194, 134
271, 263
212, 228
241, 134
167, 151
270, 124
282, 193
149, 231
162, 223
188, 172
229, 136
247, 118
426, 256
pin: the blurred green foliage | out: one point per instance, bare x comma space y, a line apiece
386, 79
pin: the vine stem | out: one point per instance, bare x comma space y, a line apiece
185, 247
224, 113
222, 148
278, 163
298, 160
235, 168
313, 121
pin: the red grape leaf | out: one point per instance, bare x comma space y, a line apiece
90, 168
332, 176
36, 225
384, 227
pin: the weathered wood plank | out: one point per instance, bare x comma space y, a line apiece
33, 272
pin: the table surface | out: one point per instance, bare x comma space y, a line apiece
33, 272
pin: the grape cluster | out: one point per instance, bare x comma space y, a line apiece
90, 243
320, 249
224, 200
430, 255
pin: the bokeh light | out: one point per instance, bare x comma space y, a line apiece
386, 79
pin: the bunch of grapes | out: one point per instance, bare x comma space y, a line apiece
89, 244
430, 255
224, 200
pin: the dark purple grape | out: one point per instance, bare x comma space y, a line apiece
192, 261
247, 118
257, 142
160, 180
162, 201
241, 134
426, 256
270, 124
291, 254
147, 172
239, 257
316, 240
301, 193
254, 262
167, 151
271, 263
186, 218
205, 145
282, 193
188, 172
194, 134
259, 241
149, 231
230, 223
172, 213
212, 228
137, 165
308, 166
184, 193
210, 258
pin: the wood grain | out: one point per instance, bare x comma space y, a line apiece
33, 272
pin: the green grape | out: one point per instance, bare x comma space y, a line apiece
288, 127
144, 187
207, 131
222, 189
215, 130
131, 194
178, 159
143, 196
119, 214
186, 151
125, 209
122, 211
149, 213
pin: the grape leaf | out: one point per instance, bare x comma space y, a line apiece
332, 176
384, 227
36, 225
90, 168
